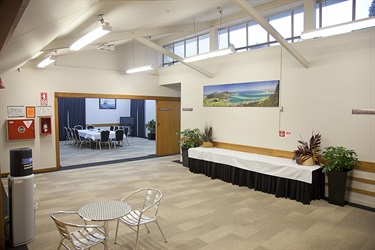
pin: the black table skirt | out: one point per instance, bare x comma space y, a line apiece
280, 187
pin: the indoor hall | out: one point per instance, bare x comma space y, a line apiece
324, 85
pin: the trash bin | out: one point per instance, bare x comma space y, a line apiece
21, 197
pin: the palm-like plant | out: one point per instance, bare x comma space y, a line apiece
206, 135
308, 150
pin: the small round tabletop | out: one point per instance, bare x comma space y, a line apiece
104, 210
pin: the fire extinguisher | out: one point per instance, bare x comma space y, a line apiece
45, 127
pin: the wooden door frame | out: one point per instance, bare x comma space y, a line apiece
91, 95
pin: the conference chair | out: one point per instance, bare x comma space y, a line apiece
149, 200
68, 137
126, 133
90, 127
79, 127
80, 236
81, 140
104, 139
119, 138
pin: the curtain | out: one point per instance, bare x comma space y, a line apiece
137, 110
72, 111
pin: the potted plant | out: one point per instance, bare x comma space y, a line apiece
338, 161
151, 127
307, 153
206, 137
189, 138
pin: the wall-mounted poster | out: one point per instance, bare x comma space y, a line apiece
107, 103
30, 112
246, 94
16, 111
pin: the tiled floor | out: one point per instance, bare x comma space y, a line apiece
199, 213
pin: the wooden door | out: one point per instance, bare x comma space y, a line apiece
167, 126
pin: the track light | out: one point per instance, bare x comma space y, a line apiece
139, 69
340, 28
46, 61
216, 53
92, 36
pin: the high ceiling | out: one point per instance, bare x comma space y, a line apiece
49, 26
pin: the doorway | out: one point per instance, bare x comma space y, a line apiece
164, 119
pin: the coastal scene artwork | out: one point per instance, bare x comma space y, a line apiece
246, 94
107, 103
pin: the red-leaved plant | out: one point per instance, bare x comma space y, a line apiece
308, 150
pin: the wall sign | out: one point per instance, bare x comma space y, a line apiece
16, 111
30, 112
43, 98
43, 111
363, 111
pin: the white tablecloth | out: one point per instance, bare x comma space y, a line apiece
270, 165
94, 134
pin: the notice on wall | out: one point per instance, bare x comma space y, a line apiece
43, 111
16, 111
43, 98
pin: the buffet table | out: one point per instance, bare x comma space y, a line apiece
280, 176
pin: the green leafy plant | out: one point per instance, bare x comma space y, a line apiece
308, 150
206, 135
339, 159
189, 138
151, 126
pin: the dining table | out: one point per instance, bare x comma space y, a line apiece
104, 211
94, 134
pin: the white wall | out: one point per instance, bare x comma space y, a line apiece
94, 115
319, 98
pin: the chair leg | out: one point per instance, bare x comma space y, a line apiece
136, 239
161, 231
147, 228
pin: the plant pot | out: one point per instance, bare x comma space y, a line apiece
185, 157
207, 144
337, 187
151, 136
308, 162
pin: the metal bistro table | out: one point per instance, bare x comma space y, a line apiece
104, 211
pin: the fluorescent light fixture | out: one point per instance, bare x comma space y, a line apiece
46, 62
90, 37
216, 53
140, 69
340, 28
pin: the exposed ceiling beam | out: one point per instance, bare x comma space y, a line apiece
11, 12
156, 47
270, 29
114, 37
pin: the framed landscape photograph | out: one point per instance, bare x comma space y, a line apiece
245, 94
105, 103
